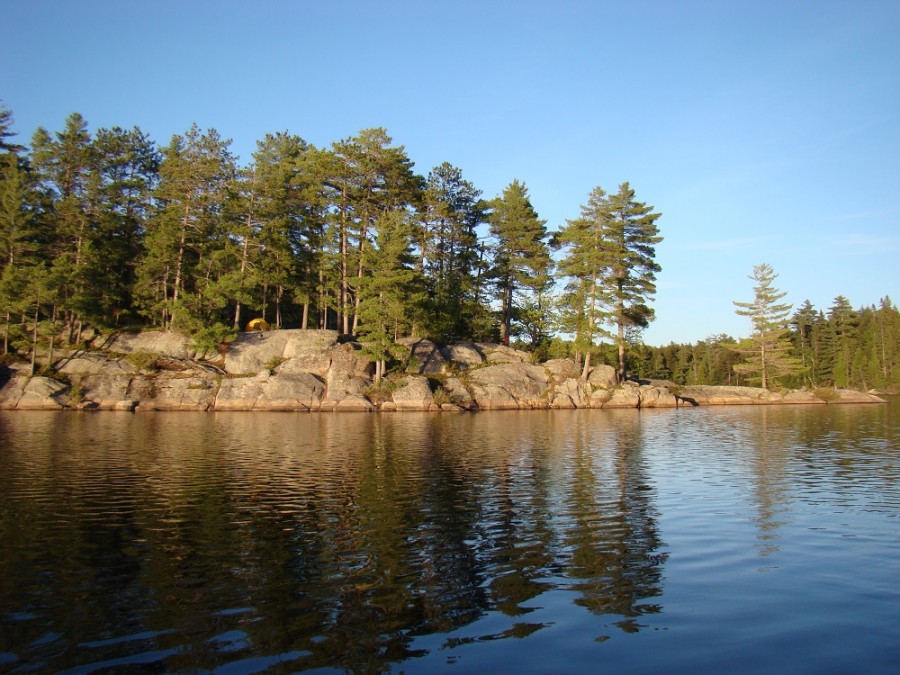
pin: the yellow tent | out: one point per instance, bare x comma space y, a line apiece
258, 324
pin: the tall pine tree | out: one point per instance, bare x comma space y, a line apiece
767, 348
521, 257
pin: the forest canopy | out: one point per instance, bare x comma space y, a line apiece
108, 229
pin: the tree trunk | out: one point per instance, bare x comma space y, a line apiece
244, 254
179, 263
34, 334
6, 332
344, 319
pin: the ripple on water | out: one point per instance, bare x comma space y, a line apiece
648, 540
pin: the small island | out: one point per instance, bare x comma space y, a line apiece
315, 370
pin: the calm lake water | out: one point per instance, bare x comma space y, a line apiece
736, 539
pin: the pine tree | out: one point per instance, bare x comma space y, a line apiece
584, 263
806, 336
842, 325
6, 132
767, 347
63, 164
119, 199
370, 177
187, 230
448, 252
610, 261
389, 292
521, 256
632, 235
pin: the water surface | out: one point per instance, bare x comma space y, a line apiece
746, 539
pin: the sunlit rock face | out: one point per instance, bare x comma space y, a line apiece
314, 370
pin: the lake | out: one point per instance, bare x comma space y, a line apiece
739, 539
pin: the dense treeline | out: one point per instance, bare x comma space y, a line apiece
110, 230
841, 347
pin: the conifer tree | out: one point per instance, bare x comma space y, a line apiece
6, 132
369, 178
807, 339
448, 252
631, 234
63, 163
842, 324
186, 231
767, 348
584, 263
521, 255
610, 261
389, 293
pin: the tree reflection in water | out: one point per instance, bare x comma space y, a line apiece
324, 540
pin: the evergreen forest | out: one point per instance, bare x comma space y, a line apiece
107, 229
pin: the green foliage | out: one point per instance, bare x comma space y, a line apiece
210, 338
521, 257
387, 295
143, 361
76, 394
274, 362
609, 262
103, 228
441, 397
449, 255
381, 390
827, 394
767, 350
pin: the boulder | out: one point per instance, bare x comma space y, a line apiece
176, 391
599, 397
103, 393
354, 403
626, 396
801, 396
11, 390
281, 392
152, 342
848, 396
414, 394
458, 394
424, 357
494, 353
509, 386
348, 376
657, 397
726, 395
94, 363
464, 355
603, 377
562, 369
570, 393
101, 381
291, 351
33, 393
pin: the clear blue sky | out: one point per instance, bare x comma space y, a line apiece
763, 131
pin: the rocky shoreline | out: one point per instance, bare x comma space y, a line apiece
313, 370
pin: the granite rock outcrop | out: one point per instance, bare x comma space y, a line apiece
315, 370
